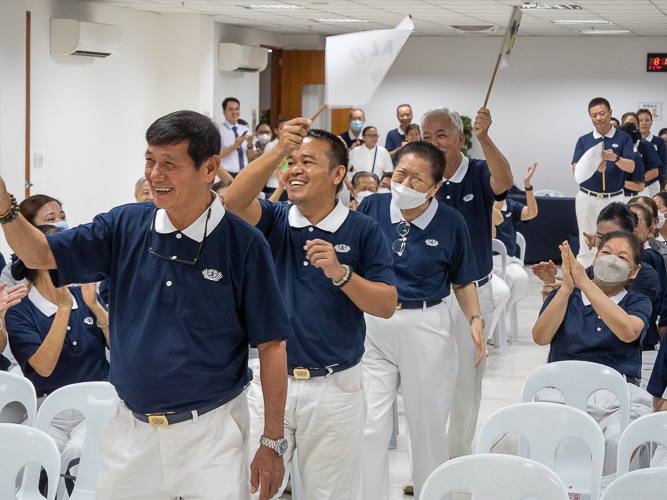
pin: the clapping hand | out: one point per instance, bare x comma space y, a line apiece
11, 296
546, 271
590, 240
529, 175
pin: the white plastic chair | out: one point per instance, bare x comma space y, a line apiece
21, 445
646, 484
499, 334
549, 193
545, 426
17, 388
514, 313
97, 402
494, 477
647, 429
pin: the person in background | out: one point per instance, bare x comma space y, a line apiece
412, 134
512, 213
352, 137
236, 139
365, 184
630, 117
663, 135
385, 183
371, 157
635, 180
615, 122
645, 124
396, 137
606, 184
263, 135
59, 336
273, 184
220, 188
142, 191
600, 321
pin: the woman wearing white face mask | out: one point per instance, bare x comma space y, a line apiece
600, 321
416, 347
661, 202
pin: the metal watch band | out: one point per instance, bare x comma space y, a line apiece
475, 317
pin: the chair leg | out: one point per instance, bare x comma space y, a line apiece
514, 323
500, 336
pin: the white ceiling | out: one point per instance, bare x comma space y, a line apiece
431, 17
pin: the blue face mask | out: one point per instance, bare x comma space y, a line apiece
356, 125
62, 225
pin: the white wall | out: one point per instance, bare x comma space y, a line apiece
538, 104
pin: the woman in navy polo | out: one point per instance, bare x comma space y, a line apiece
415, 348
58, 337
600, 321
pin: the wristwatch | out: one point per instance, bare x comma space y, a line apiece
475, 317
279, 445
617, 158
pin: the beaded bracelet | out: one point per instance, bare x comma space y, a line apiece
11, 214
346, 278
101, 326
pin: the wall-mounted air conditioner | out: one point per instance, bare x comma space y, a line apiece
235, 57
70, 37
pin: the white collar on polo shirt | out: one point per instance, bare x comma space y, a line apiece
421, 222
615, 299
461, 171
47, 308
331, 223
350, 134
194, 231
608, 135
400, 131
229, 124
649, 137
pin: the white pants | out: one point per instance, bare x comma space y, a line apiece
68, 430
516, 279
416, 350
468, 392
501, 296
199, 459
659, 457
588, 208
653, 189
648, 360
13, 413
324, 421
603, 407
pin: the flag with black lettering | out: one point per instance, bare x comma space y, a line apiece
356, 63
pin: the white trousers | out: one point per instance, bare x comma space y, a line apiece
501, 296
68, 430
653, 189
468, 392
659, 457
603, 407
324, 421
588, 208
648, 361
516, 279
415, 349
199, 459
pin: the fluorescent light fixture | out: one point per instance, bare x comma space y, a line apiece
349, 20
581, 21
604, 32
536, 5
271, 7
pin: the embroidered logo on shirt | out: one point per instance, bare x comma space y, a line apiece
88, 320
468, 197
432, 243
509, 214
614, 145
212, 274
342, 248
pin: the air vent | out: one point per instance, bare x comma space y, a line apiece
476, 29
86, 53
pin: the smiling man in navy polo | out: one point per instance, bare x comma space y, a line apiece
470, 186
333, 265
191, 285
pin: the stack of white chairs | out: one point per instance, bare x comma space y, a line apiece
18, 389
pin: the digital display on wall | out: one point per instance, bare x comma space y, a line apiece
656, 62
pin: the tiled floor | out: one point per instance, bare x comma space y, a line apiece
502, 384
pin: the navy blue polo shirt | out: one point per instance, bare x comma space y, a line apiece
660, 147
657, 384
654, 260
584, 336
621, 144
394, 139
638, 175
349, 140
180, 333
437, 250
651, 158
469, 192
328, 327
506, 231
82, 358
4, 363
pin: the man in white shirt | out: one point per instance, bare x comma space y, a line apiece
370, 157
235, 137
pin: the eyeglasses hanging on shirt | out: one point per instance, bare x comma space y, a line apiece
403, 228
174, 258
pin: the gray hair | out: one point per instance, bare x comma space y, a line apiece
138, 184
453, 117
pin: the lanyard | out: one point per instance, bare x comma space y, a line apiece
374, 157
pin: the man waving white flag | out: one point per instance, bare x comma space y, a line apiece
356, 63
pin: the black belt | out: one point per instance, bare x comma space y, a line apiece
163, 420
482, 282
306, 373
633, 380
417, 304
650, 347
600, 196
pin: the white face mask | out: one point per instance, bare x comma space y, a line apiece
611, 270
264, 138
384, 190
661, 220
406, 198
362, 194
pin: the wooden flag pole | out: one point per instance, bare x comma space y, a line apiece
604, 187
319, 112
492, 79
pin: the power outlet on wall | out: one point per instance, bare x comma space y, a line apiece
37, 160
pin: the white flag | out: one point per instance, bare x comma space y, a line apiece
356, 63
510, 37
588, 163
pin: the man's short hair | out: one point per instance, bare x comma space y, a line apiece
387, 174
453, 116
357, 109
337, 154
662, 132
201, 133
597, 101
220, 185
228, 100
404, 106
644, 112
428, 152
361, 175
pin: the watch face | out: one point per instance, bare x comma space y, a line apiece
282, 446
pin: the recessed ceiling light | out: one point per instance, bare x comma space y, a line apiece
271, 7
535, 5
349, 20
475, 29
604, 32
581, 21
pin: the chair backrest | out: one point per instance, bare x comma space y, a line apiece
17, 388
577, 380
499, 246
21, 445
647, 429
644, 484
97, 402
549, 193
545, 426
521, 243
494, 477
